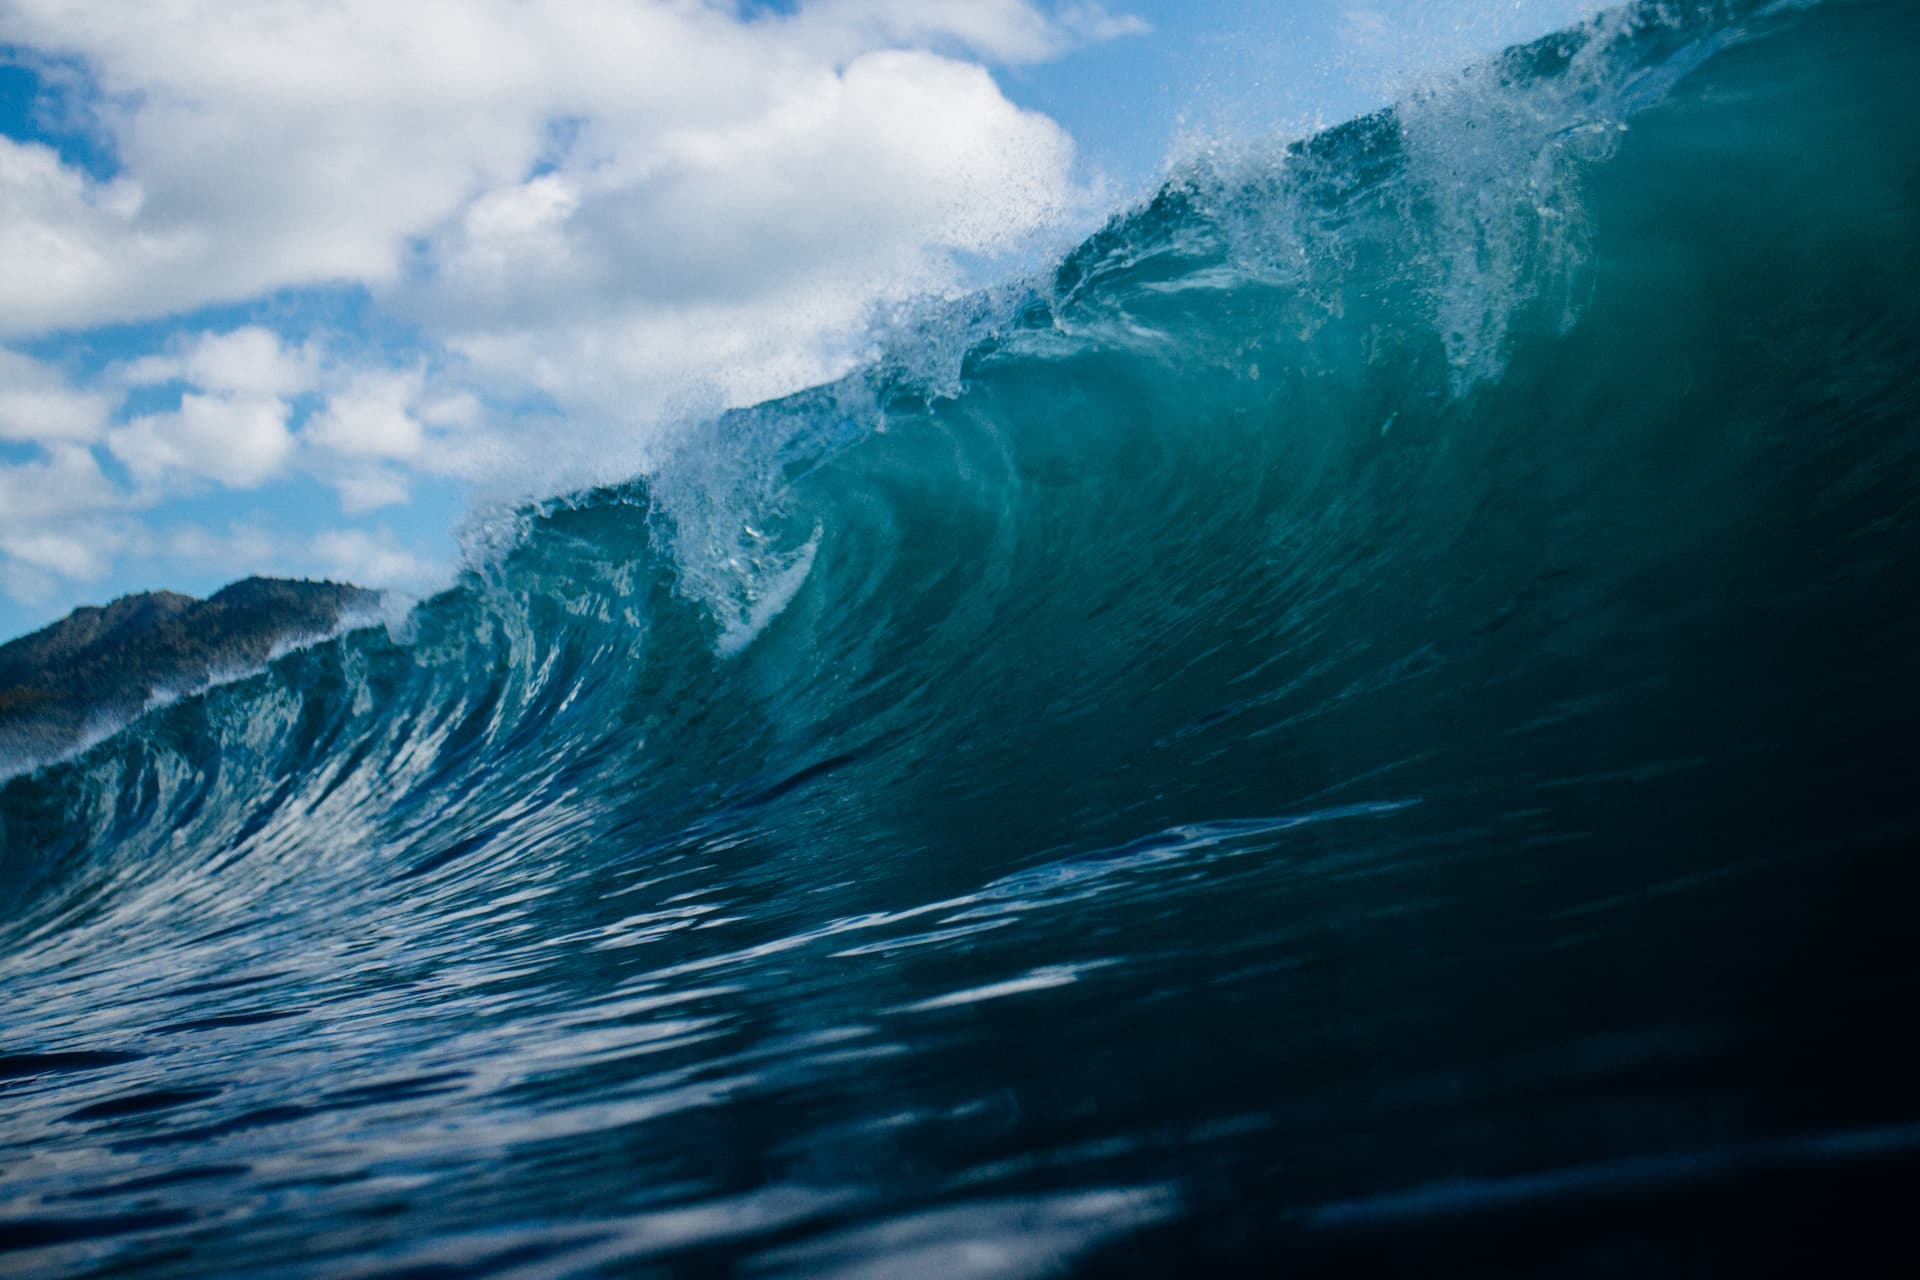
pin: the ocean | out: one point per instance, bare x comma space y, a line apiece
1362, 721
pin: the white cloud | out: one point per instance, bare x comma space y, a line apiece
454, 411
307, 141
38, 404
74, 249
26, 584
241, 441
741, 263
380, 428
57, 520
67, 481
371, 418
67, 552
364, 489
863, 181
250, 360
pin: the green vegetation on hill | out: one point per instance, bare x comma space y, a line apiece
100, 665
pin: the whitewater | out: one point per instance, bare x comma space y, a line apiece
1363, 721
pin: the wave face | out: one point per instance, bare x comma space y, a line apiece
1368, 712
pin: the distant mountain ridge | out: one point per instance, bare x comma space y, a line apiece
102, 664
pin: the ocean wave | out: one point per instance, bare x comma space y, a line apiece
1389, 664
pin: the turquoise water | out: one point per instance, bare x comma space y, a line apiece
1363, 721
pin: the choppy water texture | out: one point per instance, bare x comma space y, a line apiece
1366, 720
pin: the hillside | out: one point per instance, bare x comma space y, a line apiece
99, 665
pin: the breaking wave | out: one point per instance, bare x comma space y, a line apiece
1368, 710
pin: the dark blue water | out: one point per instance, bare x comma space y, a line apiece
1364, 722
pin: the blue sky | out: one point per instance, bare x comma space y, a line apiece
291, 288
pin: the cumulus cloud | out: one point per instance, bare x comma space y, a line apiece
363, 489
307, 142
65, 518
249, 360
372, 418
38, 403
238, 440
368, 426
66, 552
740, 263
74, 247
56, 520
559, 184
852, 178
58, 508
67, 481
